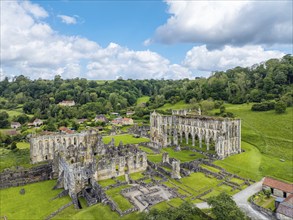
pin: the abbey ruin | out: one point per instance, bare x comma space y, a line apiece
224, 134
80, 160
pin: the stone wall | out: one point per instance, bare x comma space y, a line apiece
224, 134
22, 176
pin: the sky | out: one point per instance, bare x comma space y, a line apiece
140, 39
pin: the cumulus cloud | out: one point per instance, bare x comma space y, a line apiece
216, 23
31, 47
222, 59
68, 19
114, 61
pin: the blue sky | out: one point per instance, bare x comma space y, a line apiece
140, 39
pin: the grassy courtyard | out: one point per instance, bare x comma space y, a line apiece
125, 138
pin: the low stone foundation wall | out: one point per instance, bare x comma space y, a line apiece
266, 212
22, 176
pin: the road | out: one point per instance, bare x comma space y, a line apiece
241, 201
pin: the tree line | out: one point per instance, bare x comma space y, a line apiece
270, 80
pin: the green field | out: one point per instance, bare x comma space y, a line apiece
11, 159
178, 105
36, 203
125, 138
143, 99
267, 140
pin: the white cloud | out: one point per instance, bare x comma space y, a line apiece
222, 59
29, 46
67, 19
216, 23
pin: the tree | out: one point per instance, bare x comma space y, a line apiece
280, 107
224, 208
4, 119
184, 212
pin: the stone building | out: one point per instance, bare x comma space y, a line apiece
224, 134
278, 188
81, 159
285, 209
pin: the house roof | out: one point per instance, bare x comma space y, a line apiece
277, 184
286, 207
15, 123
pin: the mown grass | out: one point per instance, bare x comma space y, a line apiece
106, 182
183, 155
125, 138
36, 203
120, 200
137, 175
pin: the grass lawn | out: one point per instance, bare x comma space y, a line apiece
199, 182
136, 176
175, 202
254, 165
125, 138
155, 158
143, 99
183, 155
212, 169
107, 182
115, 194
161, 206
9, 158
146, 149
36, 203
235, 180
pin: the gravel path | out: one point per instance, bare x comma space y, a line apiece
241, 200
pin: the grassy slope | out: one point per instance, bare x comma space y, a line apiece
178, 105
142, 99
266, 137
36, 203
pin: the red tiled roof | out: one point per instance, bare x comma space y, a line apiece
277, 184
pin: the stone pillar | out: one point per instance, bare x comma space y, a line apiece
186, 137
165, 158
193, 139
175, 169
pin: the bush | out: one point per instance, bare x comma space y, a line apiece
263, 106
280, 107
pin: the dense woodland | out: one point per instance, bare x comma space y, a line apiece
268, 81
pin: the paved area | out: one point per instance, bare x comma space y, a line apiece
241, 200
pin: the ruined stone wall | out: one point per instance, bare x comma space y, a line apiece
223, 134
43, 148
120, 165
23, 176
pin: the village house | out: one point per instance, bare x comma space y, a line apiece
15, 125
36, 123
117, 121
67, 103
127, 121
101, 118
122, 121
81, 121
130, 113
285, 209
65, 130
278, 188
